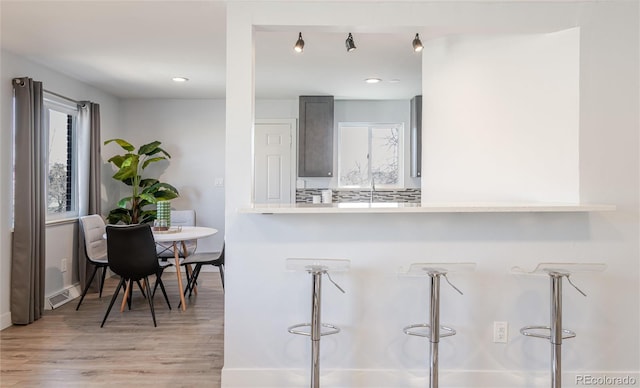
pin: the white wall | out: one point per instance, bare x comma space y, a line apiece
501, 115
262, 299
192, 132
61, 239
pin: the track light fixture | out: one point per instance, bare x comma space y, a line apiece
349, 43
299, 44
417, 44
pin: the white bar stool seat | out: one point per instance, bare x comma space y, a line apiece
314, 329
434, 331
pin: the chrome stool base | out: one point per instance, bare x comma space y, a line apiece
409, 330
556, 271
528, 332
293, 329
317, 268
434, 331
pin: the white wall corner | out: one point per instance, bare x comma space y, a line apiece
5, 320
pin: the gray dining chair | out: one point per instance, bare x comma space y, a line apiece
95, 247
215, 259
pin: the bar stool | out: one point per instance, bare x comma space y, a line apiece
434, 271
556, 271
317, 268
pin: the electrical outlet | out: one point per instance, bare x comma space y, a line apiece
63, 265
218, 182
500, 332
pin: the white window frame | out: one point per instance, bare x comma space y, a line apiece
58, 104
370, 126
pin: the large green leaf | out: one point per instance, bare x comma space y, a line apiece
149, 149
151, 188
125, 173
147, 197
165, 195
166, 186
130, 160
119, 215
163, 151
151, 160
128, 168
148, 182
147, 216
124, 202
122, 143
117, 160
162, 191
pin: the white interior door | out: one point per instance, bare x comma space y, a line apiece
274, 156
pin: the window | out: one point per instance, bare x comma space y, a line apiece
60, 123
370, 153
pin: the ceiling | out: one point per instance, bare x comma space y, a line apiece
132, 49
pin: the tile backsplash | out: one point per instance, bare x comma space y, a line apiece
382, 195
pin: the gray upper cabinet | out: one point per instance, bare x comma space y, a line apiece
315, 140
416, 137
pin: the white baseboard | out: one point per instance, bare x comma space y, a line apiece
381, 378
5, 320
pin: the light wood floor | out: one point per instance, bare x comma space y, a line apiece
67, 348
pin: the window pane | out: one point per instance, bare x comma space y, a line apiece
59, 183
353, 156
384, 155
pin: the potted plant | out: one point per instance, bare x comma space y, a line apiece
134, 209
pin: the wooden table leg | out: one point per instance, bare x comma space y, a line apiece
176, 255
127, 292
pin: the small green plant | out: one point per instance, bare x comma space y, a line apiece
134, 209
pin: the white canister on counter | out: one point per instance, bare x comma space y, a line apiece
327, 196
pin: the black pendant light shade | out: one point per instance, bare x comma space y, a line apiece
349, 43
299, 44
417, 44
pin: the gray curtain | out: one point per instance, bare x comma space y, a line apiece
28, 249
89, 133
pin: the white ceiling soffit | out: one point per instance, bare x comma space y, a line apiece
130, 49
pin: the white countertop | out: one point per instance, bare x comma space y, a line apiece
401, 207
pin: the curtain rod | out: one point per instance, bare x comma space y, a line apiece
64, 97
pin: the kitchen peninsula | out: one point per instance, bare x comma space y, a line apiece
408, 207
543, 110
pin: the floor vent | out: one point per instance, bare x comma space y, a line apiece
59, 299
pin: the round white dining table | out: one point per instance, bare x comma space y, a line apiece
184, 233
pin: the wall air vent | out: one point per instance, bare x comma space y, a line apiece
59, 299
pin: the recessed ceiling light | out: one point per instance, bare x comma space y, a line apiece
372, 80
180, 79
394, 81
